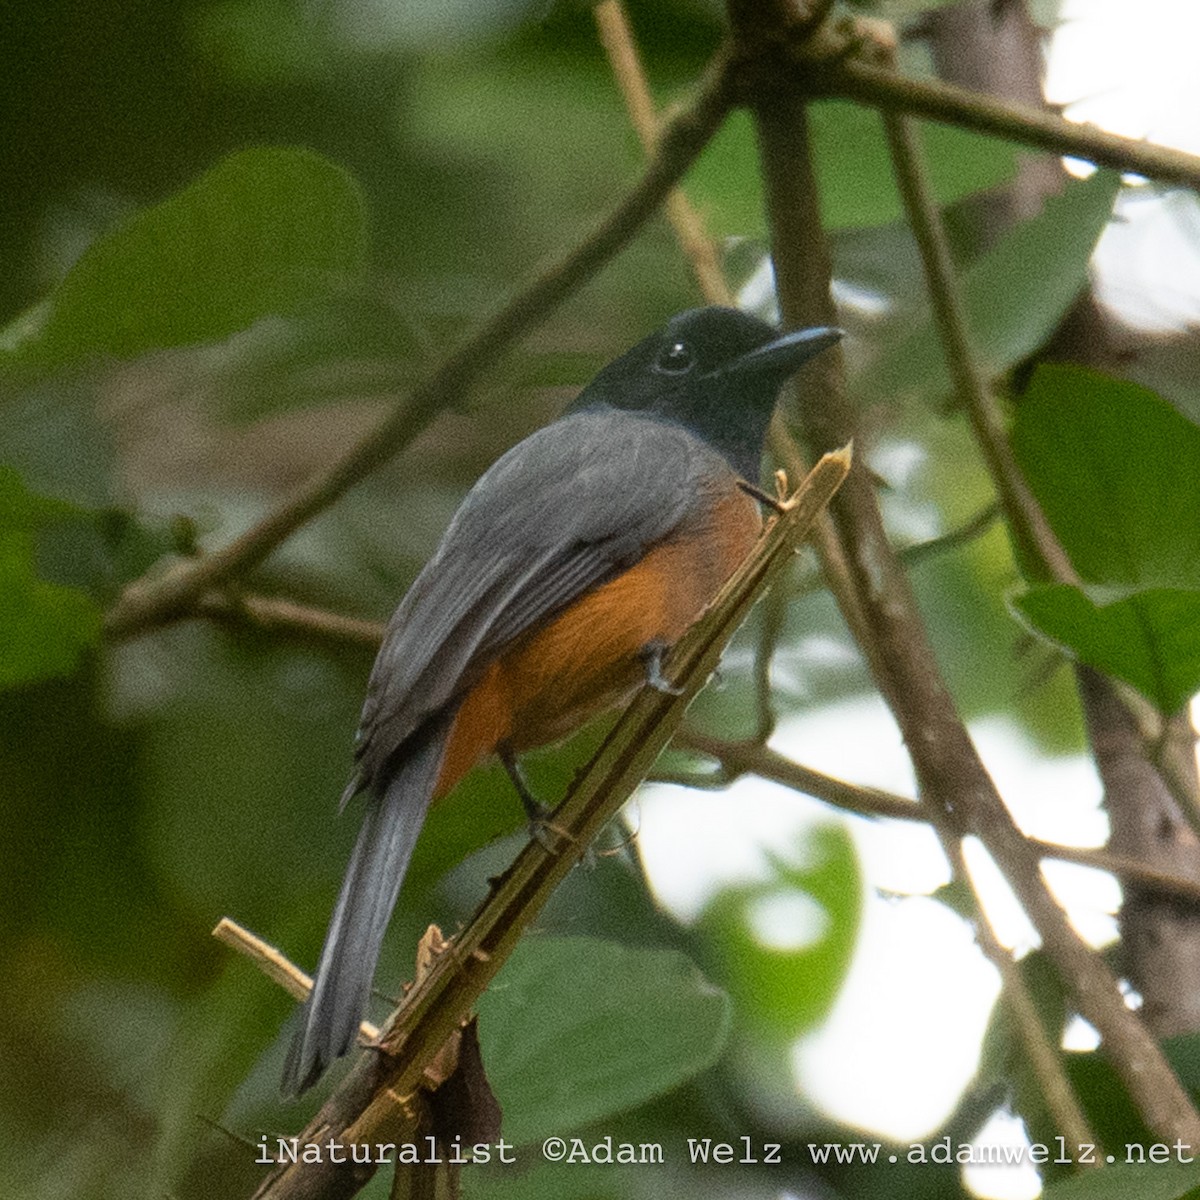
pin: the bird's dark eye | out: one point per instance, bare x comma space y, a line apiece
676, 358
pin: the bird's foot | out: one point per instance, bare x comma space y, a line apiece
538, 815
652, 655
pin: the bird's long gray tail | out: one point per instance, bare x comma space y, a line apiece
338, 1000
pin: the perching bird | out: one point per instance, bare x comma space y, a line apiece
571, 566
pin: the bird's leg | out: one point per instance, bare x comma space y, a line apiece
652, 654
540, 826
535, 810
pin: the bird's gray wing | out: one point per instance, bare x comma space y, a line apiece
565, 510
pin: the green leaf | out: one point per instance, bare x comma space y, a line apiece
1106, 460
44, 627
265, 231
1149, 638
94, 550
23, 511
1015, 294
782, 947
1117, 471
854, 169
575, 1029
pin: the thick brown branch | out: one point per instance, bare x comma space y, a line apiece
149, 601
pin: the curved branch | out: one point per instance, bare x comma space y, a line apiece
1045, 1057
1022, 510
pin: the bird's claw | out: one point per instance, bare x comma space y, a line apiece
652, 661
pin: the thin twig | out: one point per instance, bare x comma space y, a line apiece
371, 1100
882, 88
237, 1138
953, 539
273, 614
1024, 514
151, 600
698, 248
702, 781
1045, 1059
750, 757
275, 965
835, 572
772, 620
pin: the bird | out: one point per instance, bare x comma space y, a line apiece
570, 568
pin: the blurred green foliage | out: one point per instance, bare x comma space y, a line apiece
44, 627
855, 173
782, 945
234, 232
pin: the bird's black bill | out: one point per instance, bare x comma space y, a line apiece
785, 354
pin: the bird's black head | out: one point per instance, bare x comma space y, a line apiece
716, 371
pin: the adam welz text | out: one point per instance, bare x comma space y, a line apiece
430, 1152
